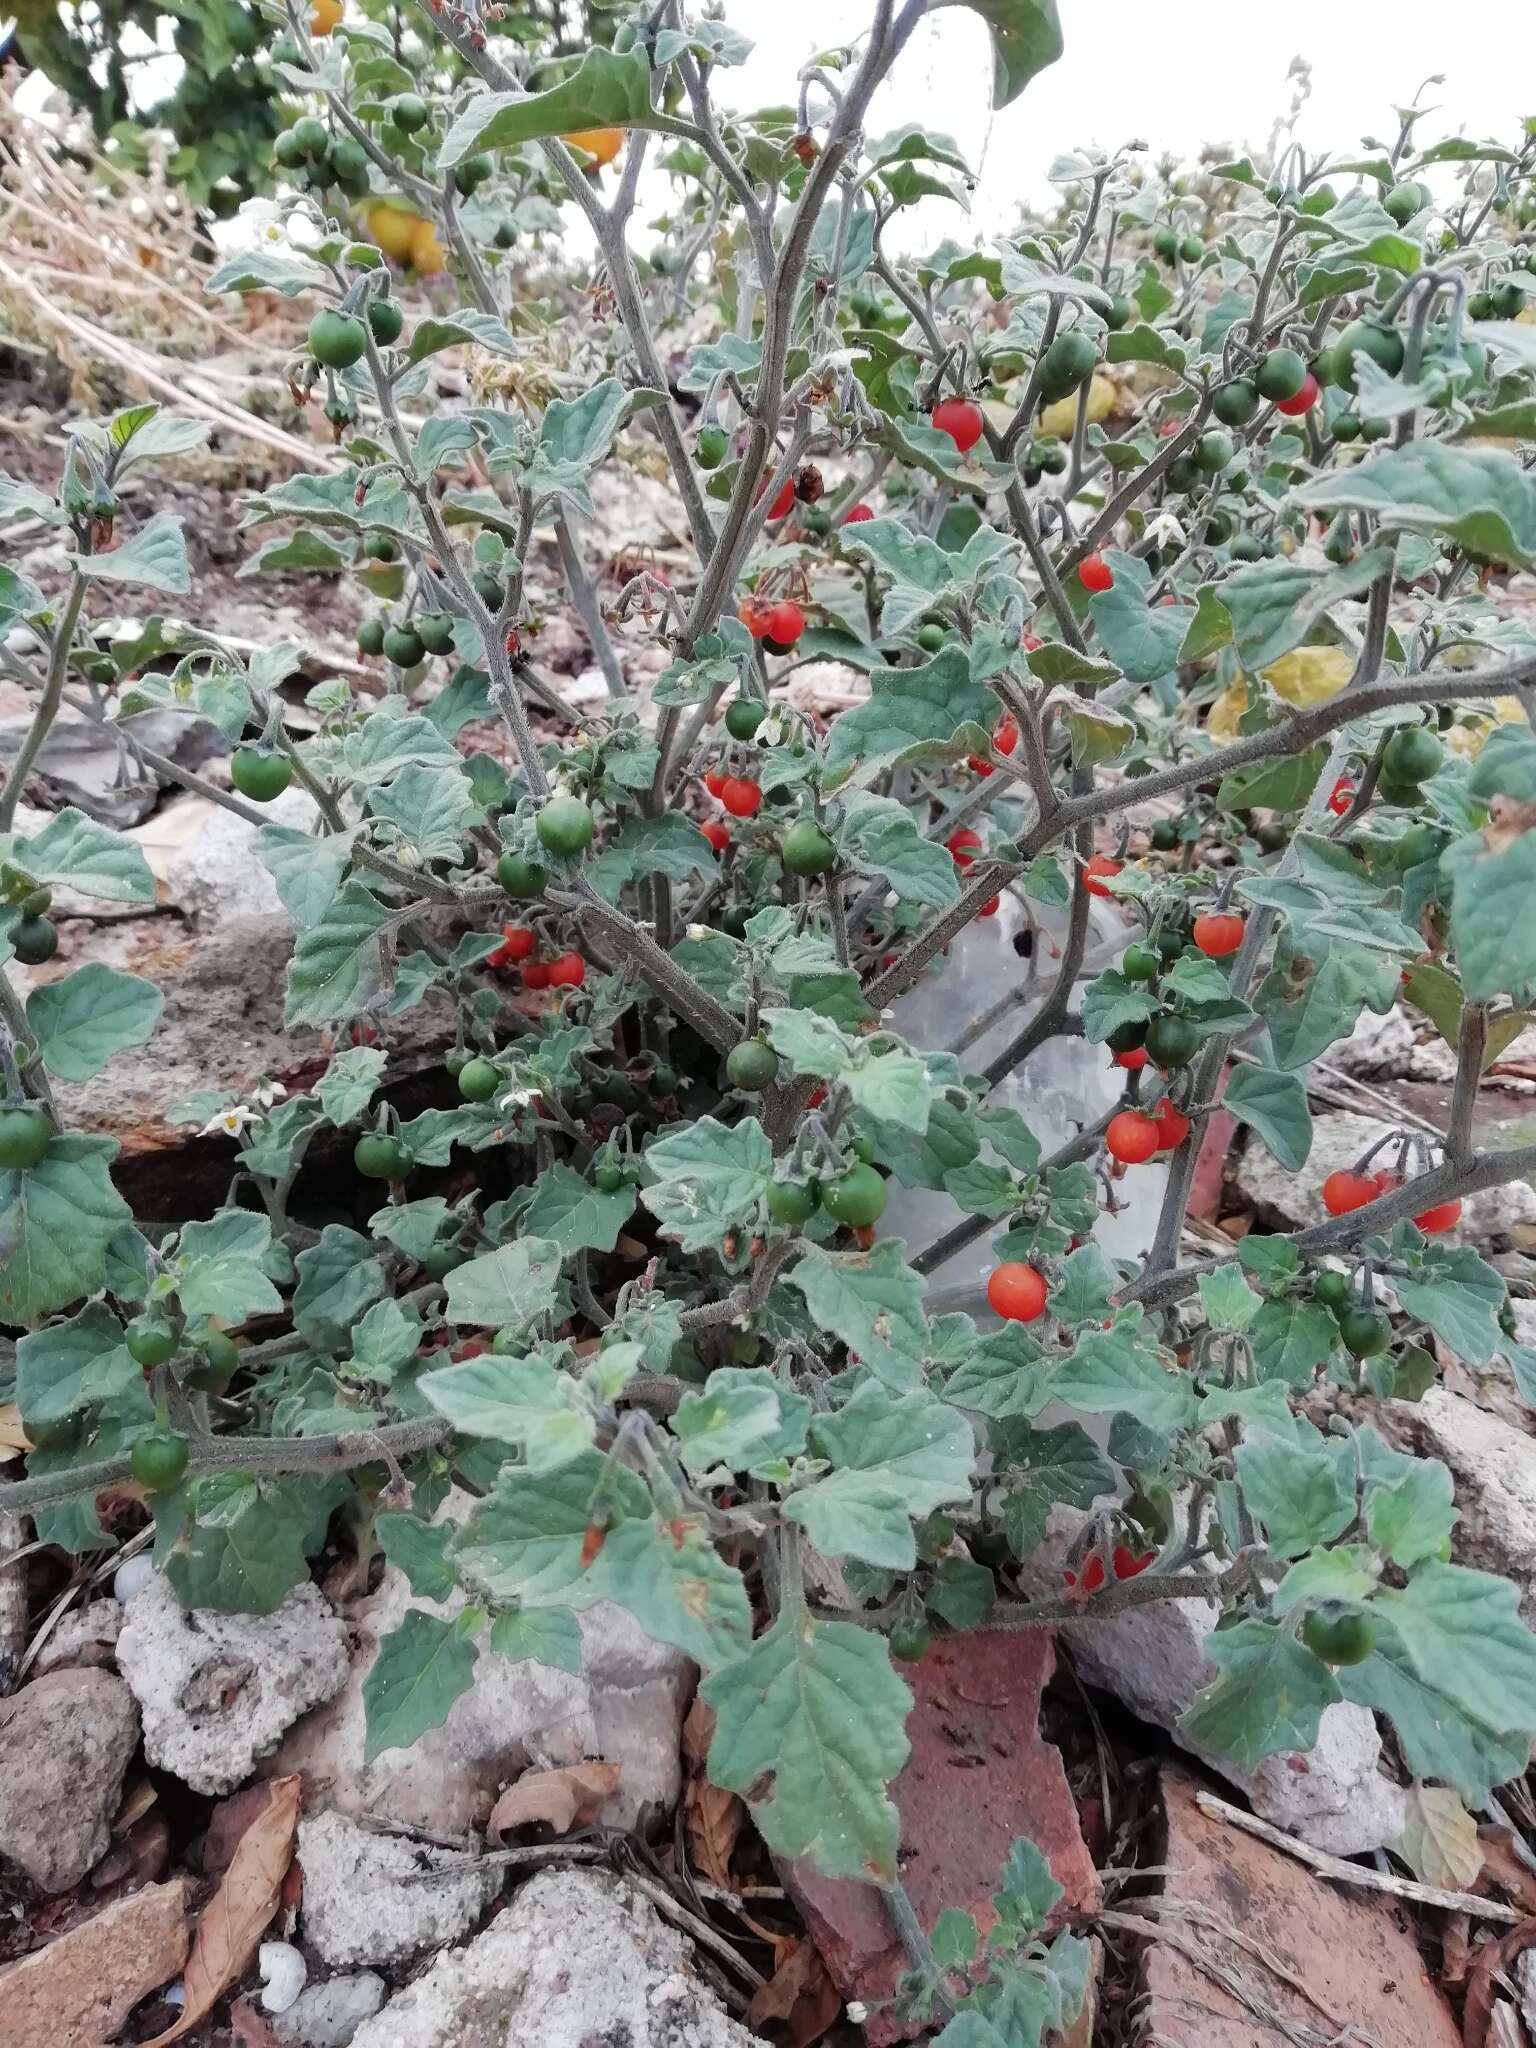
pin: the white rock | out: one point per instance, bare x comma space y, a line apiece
627, 1704
66, 1741
1379, 1048
284, 1973
357, 1910
577, 1960
218, 873
1154, 1660
1525, 1973
86, 1635
131, 1576
328, 2015
219, 1691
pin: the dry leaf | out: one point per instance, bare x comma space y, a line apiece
561, 1799
1493, 1958
250, 2028
240, 1911
1503, 1869
137, 1801
1439, 1839
713, 1818
12, 1436
799, 2002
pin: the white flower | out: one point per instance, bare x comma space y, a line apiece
1163, 530
698, 933
857, 2011
270, 1092
230, 1123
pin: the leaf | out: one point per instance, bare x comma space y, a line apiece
220, 1267
1462, 1633
453, 330
1273, 606
1113, 1372
1491, 877
263, 270
810, 1729
872, 1301
420, 1550
336, 966
549, 1636
1142, 639
1479, 497
1001, 1375
1269, 1697
1296, 1493
881, 838
339, 1278
1026, 38
911, 714
893, 1460
74, 849
605, 91
741, 1418
1046, 1467
1274, 1105
893, 1088
1291, 1339
1229, 1302
709, 1178
574, 1215
519, 1401
1087, 1282
384, 1342
679, 1588
421, 1668
962, 1594
515, 1284
1410, 1520
232, 1923
558, 1799
56, 1221
71, 1365
346, 1087
81, 1020
1457, 1293
306, 870
1111, 1001
234, 1542
525, 1540
1439, 1841
155, 556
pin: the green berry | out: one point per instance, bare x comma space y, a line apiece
24, 1138
337, 340
743, 716
478, 1080
380, 1157
402, 646
260, 773
565, 826
752, 1065
150, 1339
520, 877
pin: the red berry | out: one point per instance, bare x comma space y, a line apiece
990, 907
1134, 1060
1031, 642
784, 622
740, 796
1096, 871
518, 941
783, 499
1343, 796
536, 974
1128, 1564
1344, 1191
1094, 573
817, 1096
568, 971
714, 782
716, 833
1132, 1137
856, 515
1304, 399
1219, 932
1443, 1216
964, 846
1016, 1291
961, 420
1172, 1124
1093, 1574
1005, 736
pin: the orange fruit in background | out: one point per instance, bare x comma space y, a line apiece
601, 144
427, 257
323, 16
394, 228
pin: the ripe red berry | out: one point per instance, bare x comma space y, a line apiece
1132, 1137
714, 782
1016, 1291
1005, 736
1443, 1216
990, 907
1128, 1563
784, 497
1172, 1124
1304, 399
857, 514
716, 833
569, 970
1133, 1060
740, 796
536, 974
784, 622
1096, 872
817, 1096
518, 941
964, 846
1094, 573
1346, 1190
961, 420
1219, 932
1093, 1574
1342, 797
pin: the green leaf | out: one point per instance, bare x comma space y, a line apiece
384, 1341
515, 1284
1269, 1697
524, 1402
1001, 1375
452, 330
962, 1594
306, 870
1026, 38
422, 1667
1481, 498
1492, 875
220, 1267
339, 1278
893, 1088
412, 1226
1114, 1372
1410, 1520
1296, 1493
1142, 639
1047, 1466
1229, 1302
420, 1550
811, 1044
911, 714
872, 1302
1143, 344
549, 1636
1291, 1339
810, 1729
709, 1178
1087, 1282
605, 91
382, 747
346, 1087
679, 1588
429, 809
336, 966
72, 1365
1455, 1291
74, 849
263, 270
881, 838
573, 1214
524, 1540
894, 1459
1273, 606
155, 556
235, 1542
1110, 1001
741, 1418
303, 551
81, 1020
1274, 1105
56, 1221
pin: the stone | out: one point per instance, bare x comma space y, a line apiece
1379, 1048
355, 1907
627, 1703
1238, 1903
219, 1691
67, 1740
1525, 1977
77, 1992
328, 2015
218, 872
86, 1635
1493, 1469
1153, 1659
578, 1960
979, 1776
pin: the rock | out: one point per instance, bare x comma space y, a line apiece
1153, 1659
356, 1910
219, 1691
1493, 1467
86, 1636
578, 1960
328, 2015
1238, 1903
77, 1992
66, 1740
218, 873
627, 1703
1525, 1976
1379, 1048
979, 1776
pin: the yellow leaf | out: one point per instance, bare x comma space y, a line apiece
1310, 675
1467, 737
1222, 720
1061, 417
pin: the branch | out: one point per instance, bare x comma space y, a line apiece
48, 707
1471, 1044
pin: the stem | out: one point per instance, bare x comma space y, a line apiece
588, 610
48, 709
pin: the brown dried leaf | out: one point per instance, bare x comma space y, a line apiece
560, 1799
1439, 1840
1503, 1870
799, 2002
241, 1910
250, 2028
1492, 1959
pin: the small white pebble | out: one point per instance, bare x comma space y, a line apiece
283, 1975
132, 1576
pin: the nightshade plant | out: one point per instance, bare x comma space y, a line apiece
1216, 646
